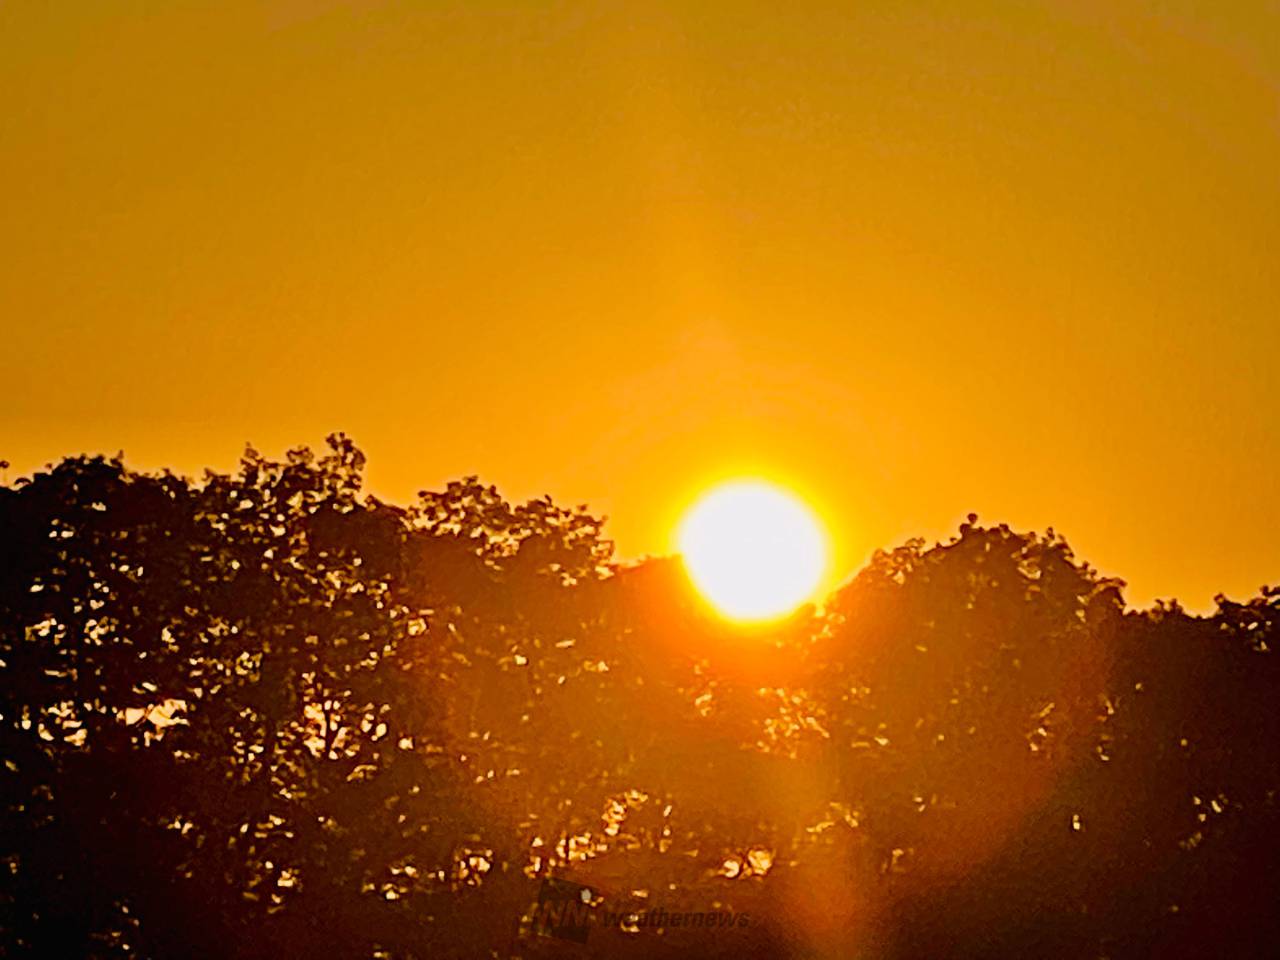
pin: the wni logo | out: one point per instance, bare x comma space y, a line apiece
563, 910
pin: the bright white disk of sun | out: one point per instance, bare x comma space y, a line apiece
752, 549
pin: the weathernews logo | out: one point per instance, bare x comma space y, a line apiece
568, 910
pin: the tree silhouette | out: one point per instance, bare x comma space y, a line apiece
264, 714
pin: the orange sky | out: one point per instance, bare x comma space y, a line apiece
916, 259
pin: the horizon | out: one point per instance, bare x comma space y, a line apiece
831, 582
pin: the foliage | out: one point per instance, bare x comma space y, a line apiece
265, 715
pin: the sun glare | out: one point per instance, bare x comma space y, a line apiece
753, 550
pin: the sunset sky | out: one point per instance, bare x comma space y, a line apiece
909, 259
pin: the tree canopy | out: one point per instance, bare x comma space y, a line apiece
265, 714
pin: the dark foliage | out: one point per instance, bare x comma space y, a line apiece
264, 715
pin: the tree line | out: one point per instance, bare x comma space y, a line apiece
266, 715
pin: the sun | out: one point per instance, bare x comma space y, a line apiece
754, 550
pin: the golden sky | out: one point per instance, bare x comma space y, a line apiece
914, 259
